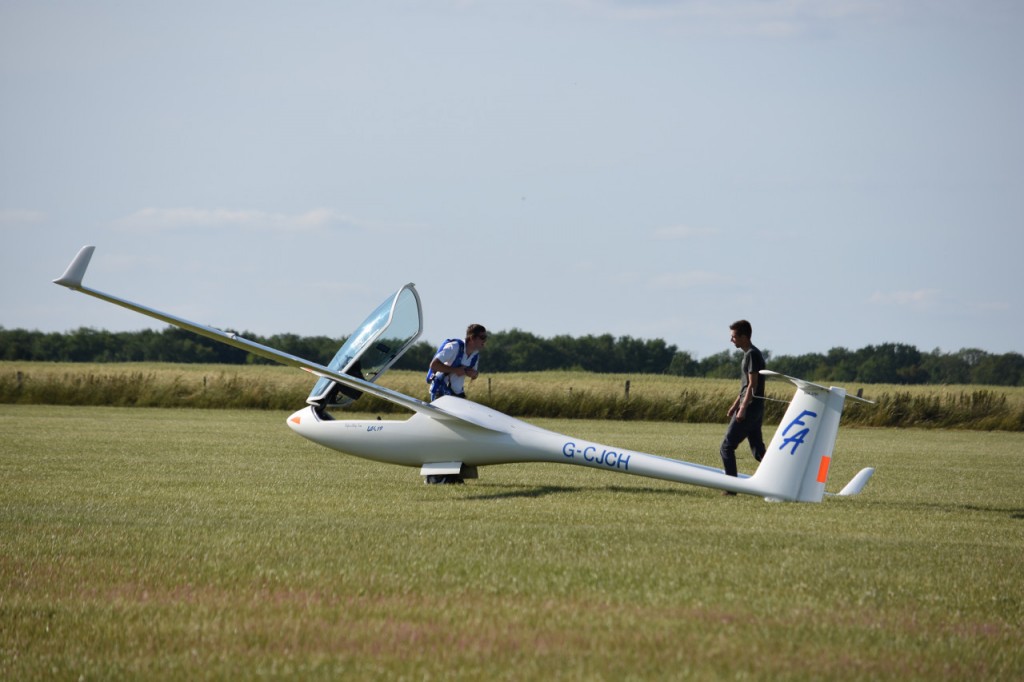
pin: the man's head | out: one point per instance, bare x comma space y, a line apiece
476, 337
741, 333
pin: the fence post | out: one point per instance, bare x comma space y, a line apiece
627, 389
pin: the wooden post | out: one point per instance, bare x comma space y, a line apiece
627, 389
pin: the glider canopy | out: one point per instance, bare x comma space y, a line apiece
373, 347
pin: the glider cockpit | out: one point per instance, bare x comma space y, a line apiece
372, 348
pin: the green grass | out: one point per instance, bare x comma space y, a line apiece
193, 544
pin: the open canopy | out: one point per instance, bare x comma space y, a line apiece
373, 347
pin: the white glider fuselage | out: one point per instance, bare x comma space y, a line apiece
483, 436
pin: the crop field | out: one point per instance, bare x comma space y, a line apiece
560, 394
215, 544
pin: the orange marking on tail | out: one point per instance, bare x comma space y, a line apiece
823, 469
296, 420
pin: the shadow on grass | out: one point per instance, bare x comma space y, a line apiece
506, 493
1016, 513
688, 491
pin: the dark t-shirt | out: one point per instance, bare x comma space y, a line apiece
753, 362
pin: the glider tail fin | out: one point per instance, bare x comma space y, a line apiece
796, 465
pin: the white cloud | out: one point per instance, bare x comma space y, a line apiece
686, 280
159, 219
992, 306
921, 297
20, 217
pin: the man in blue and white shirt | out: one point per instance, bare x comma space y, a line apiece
455, 360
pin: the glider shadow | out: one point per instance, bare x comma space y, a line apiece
545, 490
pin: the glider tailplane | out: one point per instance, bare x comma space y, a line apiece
795, 466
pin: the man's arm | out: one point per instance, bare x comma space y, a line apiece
439, 366
740, 406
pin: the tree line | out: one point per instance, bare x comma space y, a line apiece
520, 351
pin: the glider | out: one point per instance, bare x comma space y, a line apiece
450, 438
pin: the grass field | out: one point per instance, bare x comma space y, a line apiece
215, 544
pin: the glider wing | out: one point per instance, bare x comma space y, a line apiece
75, 273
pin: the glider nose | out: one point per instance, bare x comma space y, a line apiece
301, 418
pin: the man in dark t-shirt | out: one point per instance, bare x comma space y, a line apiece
747, 411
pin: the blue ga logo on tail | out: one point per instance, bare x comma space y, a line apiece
797, 439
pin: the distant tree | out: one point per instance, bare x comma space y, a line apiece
889, 363
17, 344
47, 347
319, 349
971, 356
946, 368
840, 365
595, 353
85, 345
518, 350
417, 357
999, 370
810, 366
683, 364
723, 365
651, 356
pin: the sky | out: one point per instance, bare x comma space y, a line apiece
841, 173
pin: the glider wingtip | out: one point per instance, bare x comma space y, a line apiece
75, 272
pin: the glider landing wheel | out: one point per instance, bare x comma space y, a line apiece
442, 479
